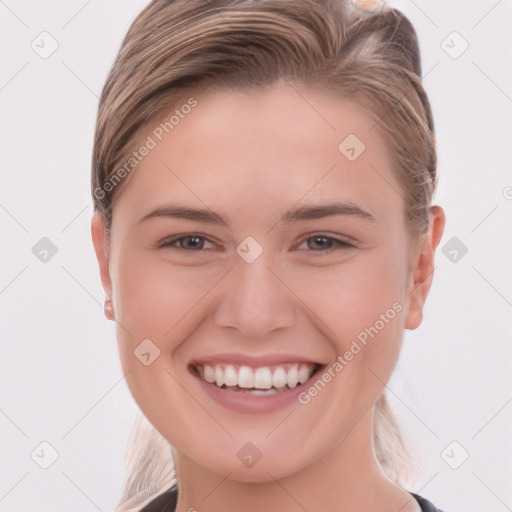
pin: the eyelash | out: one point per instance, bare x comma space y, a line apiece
169, 244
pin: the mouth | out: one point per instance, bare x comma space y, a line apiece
256, 380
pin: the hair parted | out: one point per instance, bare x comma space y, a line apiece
174, 47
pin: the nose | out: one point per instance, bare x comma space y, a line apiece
255, 299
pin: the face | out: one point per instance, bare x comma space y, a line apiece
309, 273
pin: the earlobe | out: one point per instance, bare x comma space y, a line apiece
108, 308
422, 269
99, 240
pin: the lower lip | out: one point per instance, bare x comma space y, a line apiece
254, 404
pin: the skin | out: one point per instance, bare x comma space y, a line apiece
250, 156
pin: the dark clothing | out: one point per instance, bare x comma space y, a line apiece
426, 506
166, 502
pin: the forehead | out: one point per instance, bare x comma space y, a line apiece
265, 149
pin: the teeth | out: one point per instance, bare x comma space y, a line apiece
230, 376
208, 373
219, 376
292, 378
245, 377
279, 378
262, 378
303, 374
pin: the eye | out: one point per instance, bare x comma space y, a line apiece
189, 243
326, 243
196, 243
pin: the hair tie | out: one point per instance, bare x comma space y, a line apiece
368, 8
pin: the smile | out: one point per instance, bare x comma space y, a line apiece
261, 380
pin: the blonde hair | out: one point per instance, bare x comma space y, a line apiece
174, 46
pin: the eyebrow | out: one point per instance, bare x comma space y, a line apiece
290, 216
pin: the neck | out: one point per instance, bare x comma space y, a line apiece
348, 478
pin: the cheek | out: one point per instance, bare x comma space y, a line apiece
360, 300
353, 295
374, 300
157, 300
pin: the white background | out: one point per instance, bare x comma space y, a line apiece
61, 380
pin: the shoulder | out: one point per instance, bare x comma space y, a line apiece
426, 505
165, 502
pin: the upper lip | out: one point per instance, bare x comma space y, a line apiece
255, 361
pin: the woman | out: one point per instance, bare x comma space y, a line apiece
262, 176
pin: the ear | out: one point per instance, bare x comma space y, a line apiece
422, 268
101, 248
